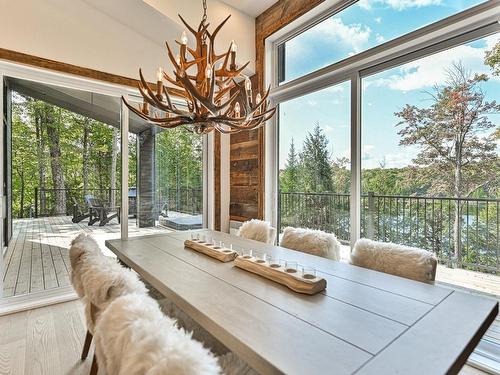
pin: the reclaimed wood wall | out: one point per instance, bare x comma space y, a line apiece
247, 148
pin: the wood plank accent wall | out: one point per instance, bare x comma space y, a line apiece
247, 148
246, 166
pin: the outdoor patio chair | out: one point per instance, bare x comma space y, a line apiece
98, 211
78, 213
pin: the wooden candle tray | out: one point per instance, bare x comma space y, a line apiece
222, 254
277, 273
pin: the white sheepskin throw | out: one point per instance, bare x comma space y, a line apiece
409, 262
133, 337
258, 230
83, 248
313, 242
104, 280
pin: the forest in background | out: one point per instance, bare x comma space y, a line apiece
66, 155
446, 201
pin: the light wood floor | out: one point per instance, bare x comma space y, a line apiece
37, 256
48, 341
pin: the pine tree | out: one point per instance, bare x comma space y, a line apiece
290, 176
315, 162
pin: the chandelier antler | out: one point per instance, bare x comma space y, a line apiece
216, 93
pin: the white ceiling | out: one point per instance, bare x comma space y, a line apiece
251, 7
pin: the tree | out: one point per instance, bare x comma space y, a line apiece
290, 175
456, 154
492, 59
52, 124
315, 162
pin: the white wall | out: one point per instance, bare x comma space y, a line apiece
240, 27
114, 36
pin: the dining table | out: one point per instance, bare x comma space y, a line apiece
364, 322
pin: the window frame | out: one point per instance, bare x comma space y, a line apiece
471, 24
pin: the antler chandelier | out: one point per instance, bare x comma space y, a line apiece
216, 93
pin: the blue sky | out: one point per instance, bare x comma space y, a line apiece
353, 30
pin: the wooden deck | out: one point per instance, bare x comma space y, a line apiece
37, 256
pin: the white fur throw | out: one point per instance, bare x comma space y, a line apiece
133, 337
83, 249
258, 230
409, 262
313, 242
104, 280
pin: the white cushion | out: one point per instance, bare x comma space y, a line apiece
311, 241
409, 262
258, 230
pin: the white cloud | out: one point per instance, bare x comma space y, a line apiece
431, 70
398, 4
379, 38
335, 30
378, 19
367, 152
312, 103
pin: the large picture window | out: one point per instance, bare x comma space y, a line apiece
359, 27
430, 162
418, 163
314, 172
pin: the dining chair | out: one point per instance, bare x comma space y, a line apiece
101, 280
134, 337
404, 261
258, 230
315, 242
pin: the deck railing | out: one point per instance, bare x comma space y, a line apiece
425, 222
184, 200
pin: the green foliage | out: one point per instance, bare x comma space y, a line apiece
492, 59
316, 171
290, 176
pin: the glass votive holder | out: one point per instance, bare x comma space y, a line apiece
291, 266
225, 249
308, 272
247, 253
261, 258
203, 238
274, 262
217, 244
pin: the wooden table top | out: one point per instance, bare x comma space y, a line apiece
365, 322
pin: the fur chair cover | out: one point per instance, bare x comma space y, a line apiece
133, 337
83, 249
104, 280
409, 262
313, 242
258, 230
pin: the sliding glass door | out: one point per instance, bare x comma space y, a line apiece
165, 178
